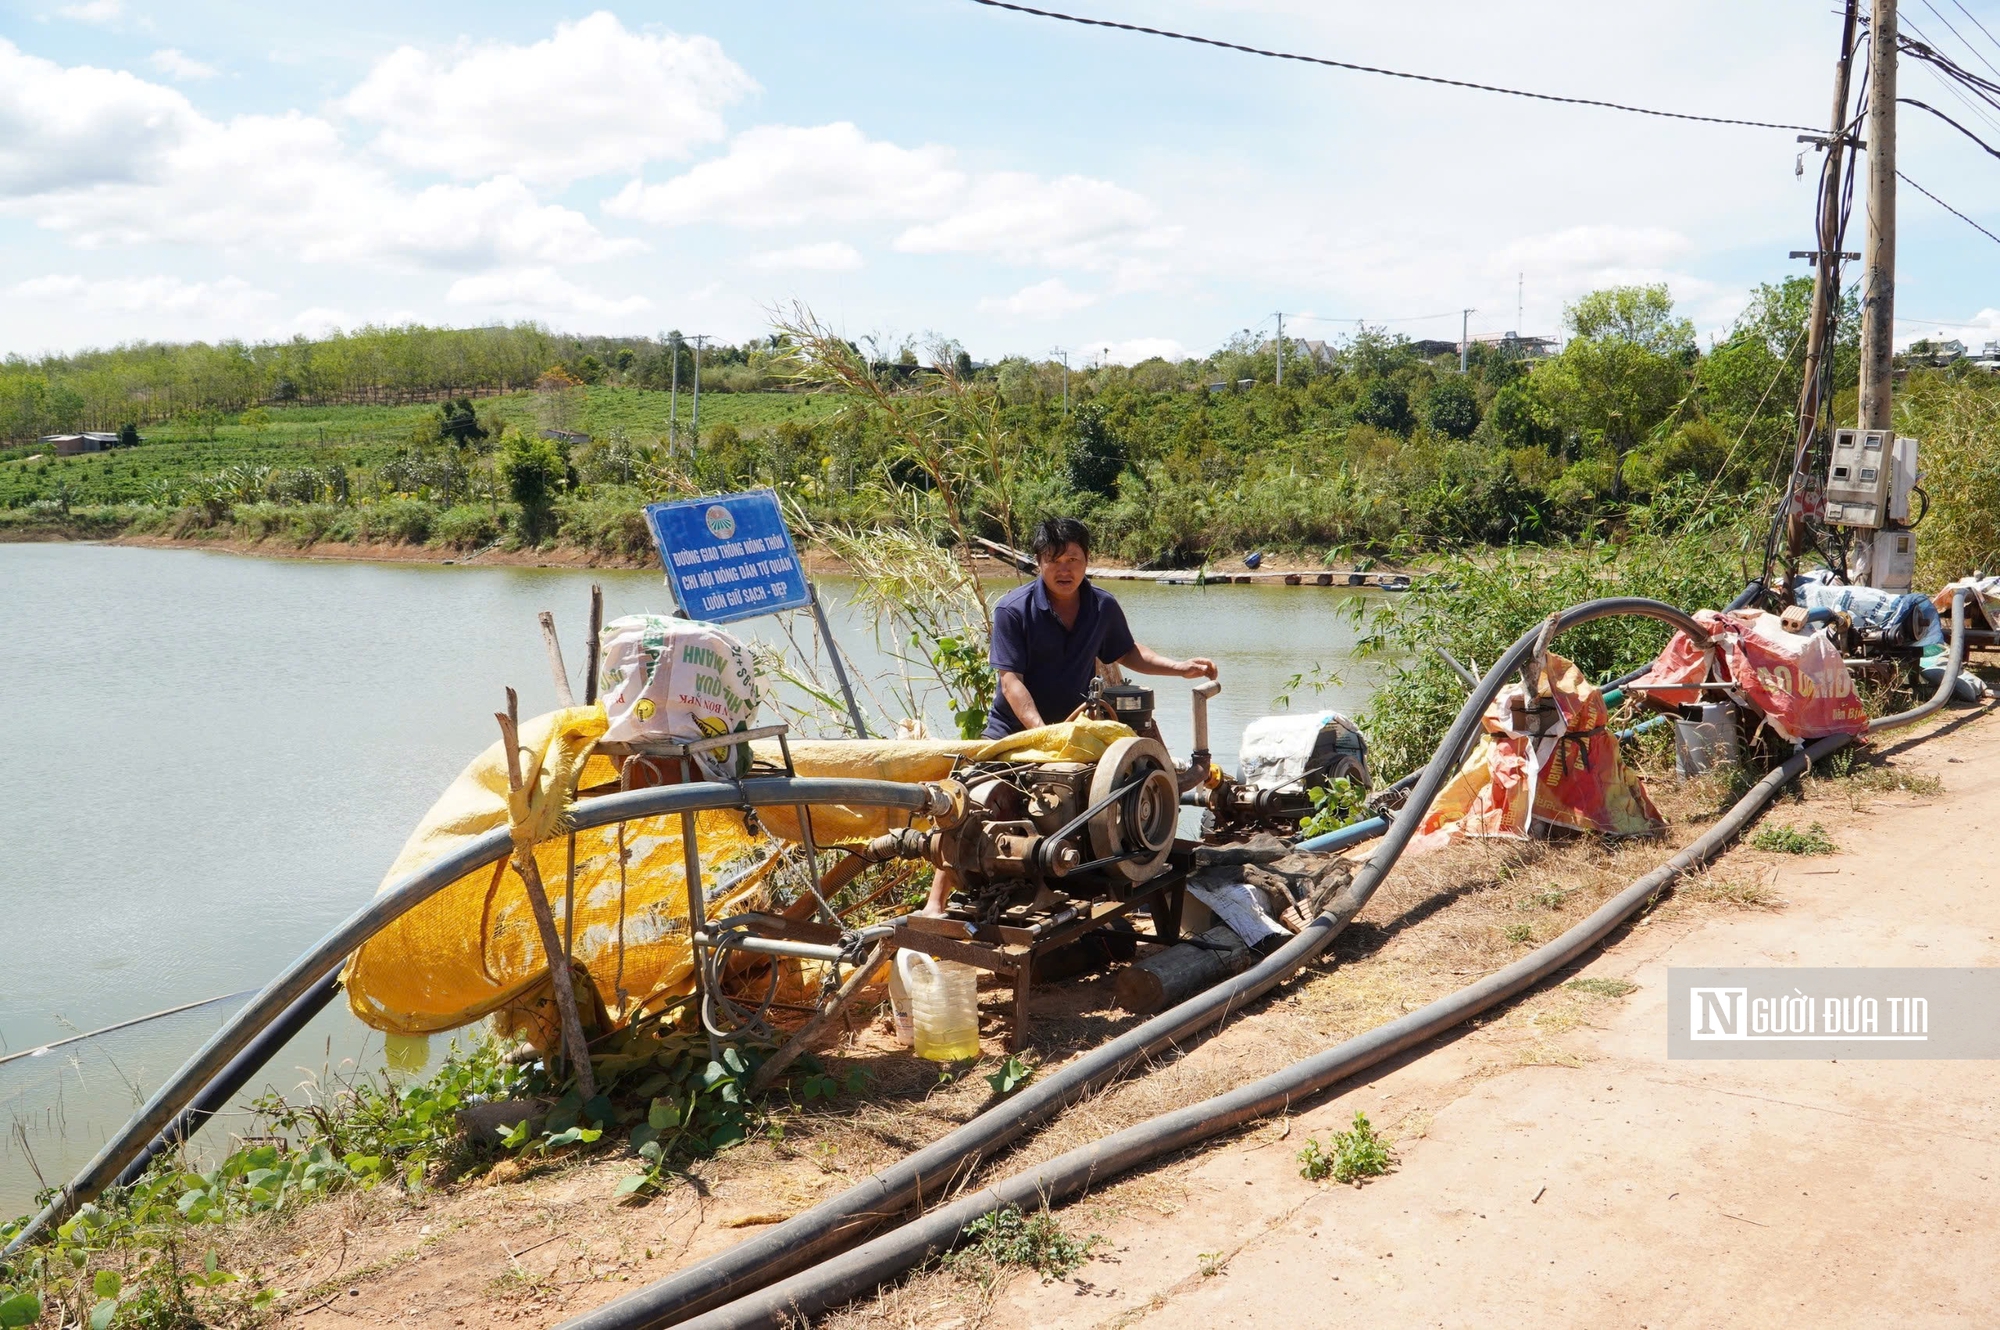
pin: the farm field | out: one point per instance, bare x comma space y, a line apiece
359, 436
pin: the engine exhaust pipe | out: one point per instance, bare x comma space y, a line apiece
1195, 774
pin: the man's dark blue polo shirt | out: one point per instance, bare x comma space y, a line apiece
1056, 663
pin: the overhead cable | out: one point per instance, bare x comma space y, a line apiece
1948, 208
1387, 73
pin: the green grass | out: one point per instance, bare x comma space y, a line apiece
1791, 840
1610, 988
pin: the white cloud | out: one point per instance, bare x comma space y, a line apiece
229, 298
177, 64
783, 175
825, 256
1135, 349
593, 98
77, 126
538, 291
1025, 218
109, 159
1043, 300
103, 13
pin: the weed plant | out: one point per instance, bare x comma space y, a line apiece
1353, 1156
1008, 1239
1782, 839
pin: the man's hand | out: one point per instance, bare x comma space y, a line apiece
1200, 667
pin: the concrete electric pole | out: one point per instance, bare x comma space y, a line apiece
1064, 357
1281, 348
674, 396
1464, 337
1878, 257
695, 429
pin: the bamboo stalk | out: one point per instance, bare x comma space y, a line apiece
574, 1049
564, 697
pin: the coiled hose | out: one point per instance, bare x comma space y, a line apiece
854, 1273
934, 1170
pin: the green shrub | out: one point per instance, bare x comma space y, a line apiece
467, 527
396, 521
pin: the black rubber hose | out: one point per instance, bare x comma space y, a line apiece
935, 1169
854, 1273
215, 1096
326, 955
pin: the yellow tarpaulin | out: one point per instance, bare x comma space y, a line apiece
473, 948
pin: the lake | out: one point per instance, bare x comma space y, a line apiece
211, 759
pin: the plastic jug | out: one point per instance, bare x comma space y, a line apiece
899, 1006
944, 1006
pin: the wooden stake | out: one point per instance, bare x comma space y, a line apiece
574, 1048
591, 656
564, 697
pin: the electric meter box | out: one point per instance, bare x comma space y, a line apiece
1857, 479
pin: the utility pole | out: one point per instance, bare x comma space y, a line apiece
694, 430
674, 396
1878, 256
1826, 283
1064, 357
1281, 348
1464, 337
1520, 296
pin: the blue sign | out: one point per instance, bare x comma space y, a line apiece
728, 557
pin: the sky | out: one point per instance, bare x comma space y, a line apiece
933, 168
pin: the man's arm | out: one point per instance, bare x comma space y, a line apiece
1143, 659
1020, 700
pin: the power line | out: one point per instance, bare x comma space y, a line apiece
1947, 207
1386, 73
1926, 106
1977, 24
1976, 55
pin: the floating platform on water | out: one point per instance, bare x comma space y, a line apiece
1331, 577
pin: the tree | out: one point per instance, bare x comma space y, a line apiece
1095, 457
1451, 409
128, 435
459, 423
1384, 405
1522, 419
535, 472
1625, 370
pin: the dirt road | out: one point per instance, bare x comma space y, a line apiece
1552, 1176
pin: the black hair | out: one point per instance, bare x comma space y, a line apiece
1052, 534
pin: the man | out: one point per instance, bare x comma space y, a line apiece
1050, 634
1049, 637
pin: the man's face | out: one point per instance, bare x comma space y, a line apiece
1063, 569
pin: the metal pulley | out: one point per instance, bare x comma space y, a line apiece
1141, 823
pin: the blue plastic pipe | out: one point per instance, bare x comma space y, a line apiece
1346, 836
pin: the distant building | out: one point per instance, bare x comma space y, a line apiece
568, 436
68, 445
1520, 348
1431, 346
